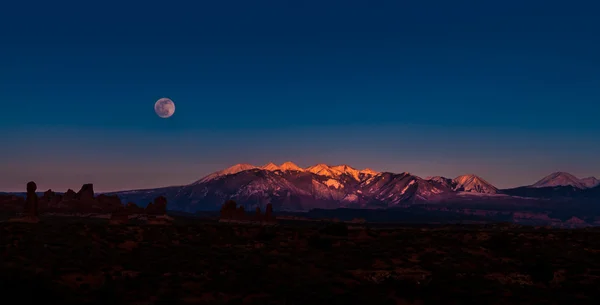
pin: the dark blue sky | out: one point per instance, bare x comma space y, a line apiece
509, 90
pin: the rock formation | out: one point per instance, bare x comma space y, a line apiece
109, 203
80, 202
159, 207
240, 213
69, 195
258, 215
269, 213
133, 209
48, 200
228, 209
31, 201
157, 212
30, 209
86, 193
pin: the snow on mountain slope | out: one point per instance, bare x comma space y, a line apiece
443, 181
270, 167
368, 171
560, 179
345, 169
289, 187
394, 189
250, 187
334, 183
290, 166
474, 184
322, 170
319, 169
590, 182
228, 171
294, 190
237, 168
339, 170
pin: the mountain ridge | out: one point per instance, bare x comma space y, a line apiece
565, 179
475, 184
290, 187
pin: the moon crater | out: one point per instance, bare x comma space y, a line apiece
164, 108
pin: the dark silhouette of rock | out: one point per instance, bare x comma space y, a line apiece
258, 215
240, 213
228, 209
109, 203
31, 202
157, 212
86, 193
69, 195
132, 208
46, 200
159, 207
30, 207
269, 213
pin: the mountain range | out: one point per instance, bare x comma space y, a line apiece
289, 187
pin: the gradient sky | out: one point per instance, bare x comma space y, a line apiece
509, 90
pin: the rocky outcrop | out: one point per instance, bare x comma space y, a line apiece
109, 203
231, 212
269, 217
82, 202
69, 195
86, 193
228, 210
258, 214
240, 213
158, 207
30, 208
31, 201
156, 212
133, 209
48, 200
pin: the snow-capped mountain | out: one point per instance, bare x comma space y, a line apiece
228, 171
340, 170
290, 187
270, 167
465, 183
474, 184
290, 166
443, 181
562, 179
396, 189
590, 182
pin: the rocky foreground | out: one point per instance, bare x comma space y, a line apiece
89, 262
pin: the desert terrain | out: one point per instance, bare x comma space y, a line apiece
74, 260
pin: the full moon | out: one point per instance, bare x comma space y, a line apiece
164, 107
